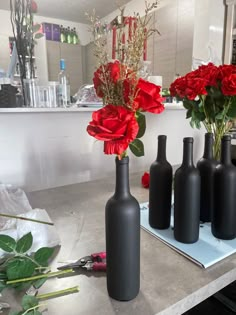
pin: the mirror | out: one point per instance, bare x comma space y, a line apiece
170, 53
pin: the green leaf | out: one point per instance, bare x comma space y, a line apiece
232, 111
15, 313
34, 312
36, 27
38, 35
38, 283
20, 268
43, 254
3, 285
141, 119
137, 147
24, 243
189, 113
29, 301
3, 275
7, 243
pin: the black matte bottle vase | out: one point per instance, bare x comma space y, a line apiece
187, 198
224, 214
207, 166
123, 238
160, 188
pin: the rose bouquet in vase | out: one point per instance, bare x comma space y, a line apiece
209, 96
120, 124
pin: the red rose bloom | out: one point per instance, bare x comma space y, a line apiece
209, 73
228, 86
145, 180
116, 126
189, 86
111, 72
225, 71
148, 98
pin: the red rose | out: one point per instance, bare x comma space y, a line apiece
189, 86
148, 98
225, 71
228, 86
145, 180
209, 73
107, 73
116, 126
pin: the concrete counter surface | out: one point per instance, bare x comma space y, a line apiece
170, 284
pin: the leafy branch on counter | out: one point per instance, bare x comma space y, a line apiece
31, 304
20, 265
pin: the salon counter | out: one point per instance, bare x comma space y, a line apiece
44, 147
170, 283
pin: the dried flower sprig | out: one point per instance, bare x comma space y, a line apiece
128, 53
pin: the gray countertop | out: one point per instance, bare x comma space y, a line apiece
170, 284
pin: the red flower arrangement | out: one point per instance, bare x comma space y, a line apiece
121, 122
209, 95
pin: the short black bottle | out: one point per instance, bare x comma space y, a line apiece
207, 166
187, 198
160, 188
224, 214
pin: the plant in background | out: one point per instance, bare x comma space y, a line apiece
25, 35
209, 95
121, 122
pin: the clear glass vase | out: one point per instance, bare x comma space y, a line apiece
31, 92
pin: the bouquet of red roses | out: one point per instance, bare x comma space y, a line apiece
121, 122
209, 95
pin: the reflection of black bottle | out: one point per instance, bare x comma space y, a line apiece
224, 214
187, 198
207, 166
160, 188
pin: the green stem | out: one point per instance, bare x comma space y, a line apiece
48, 275
56, 293
33, 308
23, 218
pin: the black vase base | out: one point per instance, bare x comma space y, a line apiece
157, 227
123, 298
186, 241
222, 237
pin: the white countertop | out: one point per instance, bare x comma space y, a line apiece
69, 109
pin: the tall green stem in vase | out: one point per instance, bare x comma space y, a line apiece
219, 126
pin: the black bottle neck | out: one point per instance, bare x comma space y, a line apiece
188, 152
226, 150
161, 152
208, 149
122, 177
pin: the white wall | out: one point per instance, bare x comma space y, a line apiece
82, 29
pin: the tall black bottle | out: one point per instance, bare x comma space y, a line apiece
224, 214
123, 238
160, 188
187, 197
207, 166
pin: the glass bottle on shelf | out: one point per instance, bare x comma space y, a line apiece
64, 88
69, 37
62, 34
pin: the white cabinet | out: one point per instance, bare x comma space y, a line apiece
230, 32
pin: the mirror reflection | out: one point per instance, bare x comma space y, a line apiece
67, 37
